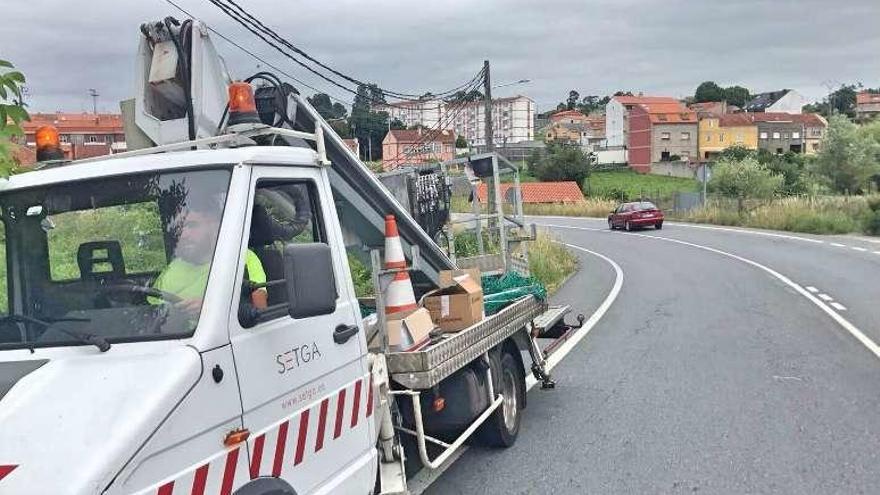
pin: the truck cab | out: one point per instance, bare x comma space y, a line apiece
132, 357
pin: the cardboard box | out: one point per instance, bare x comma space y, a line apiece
410, 330
447, 277
458, 305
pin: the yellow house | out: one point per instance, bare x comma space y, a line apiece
719, 133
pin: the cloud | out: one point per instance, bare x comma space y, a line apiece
595, 47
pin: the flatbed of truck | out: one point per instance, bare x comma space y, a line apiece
424, 368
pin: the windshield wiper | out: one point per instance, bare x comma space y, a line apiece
86, 338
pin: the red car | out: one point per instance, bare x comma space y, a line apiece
634, 215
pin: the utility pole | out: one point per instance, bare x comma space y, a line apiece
94, 94
490, 146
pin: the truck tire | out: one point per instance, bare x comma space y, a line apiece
502, 427
266, 485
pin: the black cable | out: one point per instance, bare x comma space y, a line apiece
260, 25
257, 57
186, 74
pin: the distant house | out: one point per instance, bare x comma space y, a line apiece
712, 108
782, 101
661, 132
723, 131
82, 135
814, 131
779, 132
867, 105
416, 147
617, 116
540, 192
568, 117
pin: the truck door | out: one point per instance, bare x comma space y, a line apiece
306, 395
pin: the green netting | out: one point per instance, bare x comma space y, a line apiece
499, 291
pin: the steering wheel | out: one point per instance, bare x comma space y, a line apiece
166, 297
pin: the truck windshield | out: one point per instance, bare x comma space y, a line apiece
123, 258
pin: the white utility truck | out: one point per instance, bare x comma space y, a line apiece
133, 357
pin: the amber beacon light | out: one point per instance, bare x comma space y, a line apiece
242, 106
48, 144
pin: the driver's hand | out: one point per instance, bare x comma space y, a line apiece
191, 306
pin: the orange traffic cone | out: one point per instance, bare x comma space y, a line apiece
393, 249
399, 294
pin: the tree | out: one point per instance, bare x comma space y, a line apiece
743, 179
737, 95
708, 91
367, 126
461, 142
396, 124
573, 97
850, 156
12, 113
327, 108
563, 162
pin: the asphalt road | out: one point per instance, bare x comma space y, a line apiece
730, 362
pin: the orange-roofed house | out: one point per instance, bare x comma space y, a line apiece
568, 117
661, 132
867, 105
539, 192
617, 113
416, 147
723, 131
82, 135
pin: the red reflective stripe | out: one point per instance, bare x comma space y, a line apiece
356, 403
279, 449
200, 480
398, 309
301, 439
322, 424
340, 406
370, 397
166, 489
257, 457
6, 469
229, 472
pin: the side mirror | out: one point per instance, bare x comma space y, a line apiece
311, 285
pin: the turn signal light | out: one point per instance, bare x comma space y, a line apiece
236, 437
242, 106
439, 404
48, 144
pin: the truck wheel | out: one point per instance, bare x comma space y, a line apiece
502, 427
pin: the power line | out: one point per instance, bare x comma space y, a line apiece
267, 30
257, 57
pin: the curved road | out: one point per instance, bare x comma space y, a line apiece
732, 361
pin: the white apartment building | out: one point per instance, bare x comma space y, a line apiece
513, 118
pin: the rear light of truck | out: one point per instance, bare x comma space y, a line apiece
48, 144
242, 106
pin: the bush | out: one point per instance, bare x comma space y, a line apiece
564, 163
744, 179
871, 220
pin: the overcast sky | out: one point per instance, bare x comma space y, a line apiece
664, 47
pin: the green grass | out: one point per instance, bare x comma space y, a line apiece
812, 215
550, 262
630, 185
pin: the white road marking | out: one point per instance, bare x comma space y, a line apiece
812, 289
876, 252
826, 297
569, 344
843, 322
425, 477
837, 244
859, 248
838, 306
705, 227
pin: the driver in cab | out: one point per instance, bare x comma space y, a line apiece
186, 276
